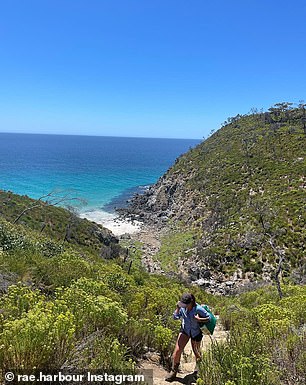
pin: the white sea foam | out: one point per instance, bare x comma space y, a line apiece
112, 222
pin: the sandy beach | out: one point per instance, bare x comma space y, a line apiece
112, 222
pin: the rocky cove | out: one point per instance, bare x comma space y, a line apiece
224, 217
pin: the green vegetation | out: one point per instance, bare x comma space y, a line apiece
64, 296
60, 224
72, 298
244, 189
266, 340
175, 245
72, 308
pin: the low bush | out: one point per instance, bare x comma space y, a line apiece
40, 338
92, 312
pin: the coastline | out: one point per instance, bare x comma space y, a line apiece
112, 215
122, 222
113, 222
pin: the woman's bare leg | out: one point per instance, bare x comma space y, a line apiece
196, 347
181, 342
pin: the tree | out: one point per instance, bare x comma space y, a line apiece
280, 111
53, 198
302, 106
264, 216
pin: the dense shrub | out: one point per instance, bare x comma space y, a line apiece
92, 312
108, 353
242, 359
40, 338
19, 300
62, 270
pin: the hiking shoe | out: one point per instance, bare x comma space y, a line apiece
195, 374
171, 377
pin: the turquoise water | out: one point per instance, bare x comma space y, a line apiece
104, 171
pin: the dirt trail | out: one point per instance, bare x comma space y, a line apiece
187, 366
150, 239
151, 242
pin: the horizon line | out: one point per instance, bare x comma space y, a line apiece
98, 136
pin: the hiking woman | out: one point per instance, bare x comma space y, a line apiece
190, 314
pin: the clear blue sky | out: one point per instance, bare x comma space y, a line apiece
153, 68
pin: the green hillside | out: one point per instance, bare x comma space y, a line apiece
59, 299
62, 306
242, 193
58, 223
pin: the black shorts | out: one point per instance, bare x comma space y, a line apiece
197, 338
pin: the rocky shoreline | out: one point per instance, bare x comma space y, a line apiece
167, 199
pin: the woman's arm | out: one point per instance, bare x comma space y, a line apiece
202, 315
200, 319
177, 313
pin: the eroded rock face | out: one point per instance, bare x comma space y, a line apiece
167, 199
105, 236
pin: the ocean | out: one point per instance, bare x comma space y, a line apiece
103, 172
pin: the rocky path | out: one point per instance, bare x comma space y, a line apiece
150, 239
185, 376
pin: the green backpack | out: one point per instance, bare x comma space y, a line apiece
208, 327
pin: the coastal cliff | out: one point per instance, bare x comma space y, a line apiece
241, 193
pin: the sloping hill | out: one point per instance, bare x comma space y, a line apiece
58, 223
64, 307
242, 193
